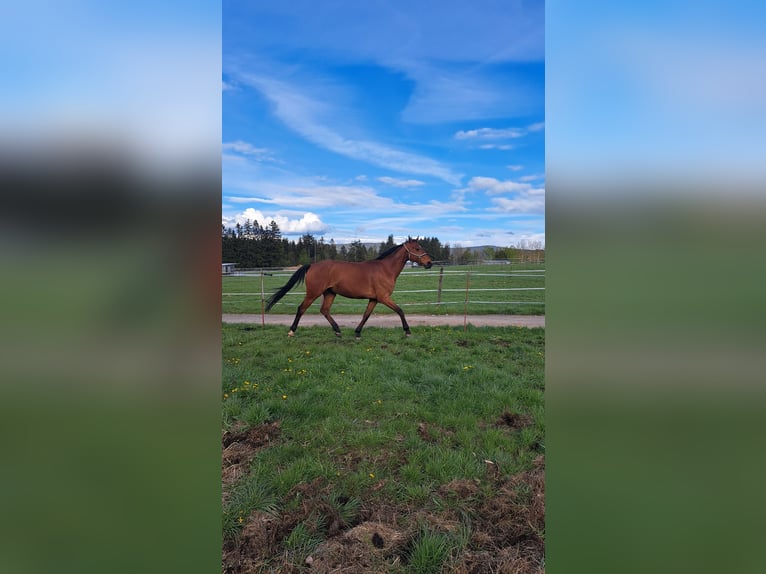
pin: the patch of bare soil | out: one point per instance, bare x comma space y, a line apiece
509, 527
365, 548
433, 433
239, 445
460, 488
506, 515
261, 541
515, 421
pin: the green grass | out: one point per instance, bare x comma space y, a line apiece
380, 422
248, 496
301, 542
431, 551
416, 292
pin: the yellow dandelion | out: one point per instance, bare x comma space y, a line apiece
284, 397
240, 519
226, 395
372, 475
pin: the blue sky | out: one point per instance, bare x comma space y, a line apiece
356, 120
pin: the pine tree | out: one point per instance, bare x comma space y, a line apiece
357, 251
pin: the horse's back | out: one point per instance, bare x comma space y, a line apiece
346, 278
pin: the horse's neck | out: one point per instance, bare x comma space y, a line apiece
395, 262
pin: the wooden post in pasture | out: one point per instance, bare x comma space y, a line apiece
465, 306
439, 291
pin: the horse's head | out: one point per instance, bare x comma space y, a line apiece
417, 254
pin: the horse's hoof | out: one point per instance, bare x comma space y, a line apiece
291, 333
337, 333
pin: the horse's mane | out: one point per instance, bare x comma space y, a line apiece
389, 251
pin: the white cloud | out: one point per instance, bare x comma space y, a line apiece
526, 198
245, 148
302, 196
490, 134
494, 186
302, 114
230, 158
401, 182
530, 204
308, 223
515, 167
495, 134
496, 146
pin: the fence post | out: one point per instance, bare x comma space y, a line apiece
263, 309
465, 306
439, 291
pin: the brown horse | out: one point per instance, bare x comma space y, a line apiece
373, 280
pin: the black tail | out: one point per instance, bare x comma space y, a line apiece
297, 277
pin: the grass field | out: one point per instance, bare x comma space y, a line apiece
491, 289
389, 454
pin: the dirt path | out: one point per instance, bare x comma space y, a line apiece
391, 320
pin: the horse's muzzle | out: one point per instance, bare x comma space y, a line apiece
428, 265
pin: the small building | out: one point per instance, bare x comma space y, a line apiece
227, 268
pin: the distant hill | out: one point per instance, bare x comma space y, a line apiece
481, 248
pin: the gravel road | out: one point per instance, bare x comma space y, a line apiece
391, 320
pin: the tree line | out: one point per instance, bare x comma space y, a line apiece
251, 245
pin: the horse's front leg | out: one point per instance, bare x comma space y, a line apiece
398, 310
367, 313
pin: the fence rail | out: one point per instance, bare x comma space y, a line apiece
474, 288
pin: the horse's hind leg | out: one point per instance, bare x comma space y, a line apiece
301, 310
327, 301
367, 313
